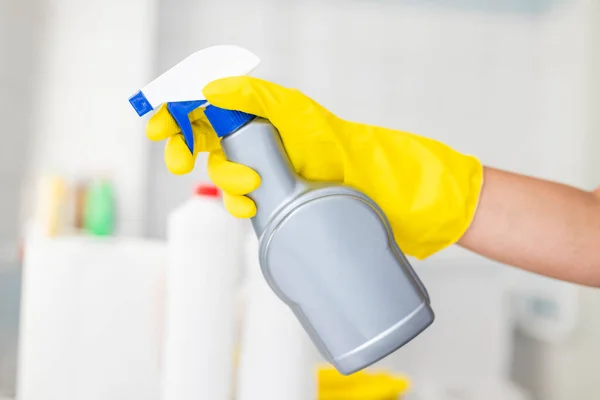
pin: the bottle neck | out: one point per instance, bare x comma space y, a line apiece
226, 122
258, 146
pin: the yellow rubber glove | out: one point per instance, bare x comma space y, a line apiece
428, 191
362, 385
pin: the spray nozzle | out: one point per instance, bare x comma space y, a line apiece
223, 121
181, 88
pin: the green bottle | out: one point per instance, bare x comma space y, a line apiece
99, 209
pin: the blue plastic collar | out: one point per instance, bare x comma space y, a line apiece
225, 122
180, 110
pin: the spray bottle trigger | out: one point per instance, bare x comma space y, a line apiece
180, 111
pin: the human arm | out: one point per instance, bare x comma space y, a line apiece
537, 225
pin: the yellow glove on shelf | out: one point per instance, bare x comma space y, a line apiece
428, 191
362, 385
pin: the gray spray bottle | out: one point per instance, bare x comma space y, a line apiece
326, 250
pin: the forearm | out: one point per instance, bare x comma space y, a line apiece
537, 225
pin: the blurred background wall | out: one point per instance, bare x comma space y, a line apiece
89, 55
515, 82
16, 92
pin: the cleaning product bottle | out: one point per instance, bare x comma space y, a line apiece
327, 250
204, 260
99, 209
52, 207
276, 360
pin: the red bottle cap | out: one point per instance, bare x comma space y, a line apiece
207, 190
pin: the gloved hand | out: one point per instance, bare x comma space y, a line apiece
428, 191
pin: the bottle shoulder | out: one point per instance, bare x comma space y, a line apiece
325, 207
335, 194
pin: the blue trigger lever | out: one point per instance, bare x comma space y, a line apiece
180, 111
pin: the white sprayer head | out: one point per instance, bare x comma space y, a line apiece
181, 86
185, 81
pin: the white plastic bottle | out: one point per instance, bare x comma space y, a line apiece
205, 253
277, 359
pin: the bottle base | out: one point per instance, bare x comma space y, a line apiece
386, 343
